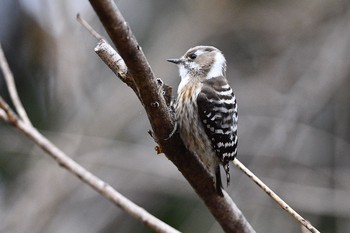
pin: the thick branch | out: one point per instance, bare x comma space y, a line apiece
223, 208
138, 67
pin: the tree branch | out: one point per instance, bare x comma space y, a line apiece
88, 27
87, 177
138, 67
114, 61
275, 197
149, 92
3, 115
11, 86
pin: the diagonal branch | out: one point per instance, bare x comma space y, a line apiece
3, 115
11, 86
224, 210
88, 27
138, 67
73, 167
275, 197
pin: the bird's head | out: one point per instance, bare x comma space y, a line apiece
204, 62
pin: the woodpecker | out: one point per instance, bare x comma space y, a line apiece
206, 109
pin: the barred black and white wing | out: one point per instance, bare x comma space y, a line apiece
217, 110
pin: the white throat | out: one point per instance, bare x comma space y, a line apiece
182, 71
185, 78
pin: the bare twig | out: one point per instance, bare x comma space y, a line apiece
275, 197
110, 57
10, 82
73, 167
83, 22
114, 61
224, 210
3, 115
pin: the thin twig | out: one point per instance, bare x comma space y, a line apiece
11, 86
85, 24
275, 197
3, 115
109, 56
76, 169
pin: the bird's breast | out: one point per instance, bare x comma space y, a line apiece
190, 126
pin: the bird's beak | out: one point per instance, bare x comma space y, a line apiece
176, 61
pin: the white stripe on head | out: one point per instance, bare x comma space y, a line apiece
219, 66
199, 52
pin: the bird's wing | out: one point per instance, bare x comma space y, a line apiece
217, 110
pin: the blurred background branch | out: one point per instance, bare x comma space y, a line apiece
11, 86
285, 206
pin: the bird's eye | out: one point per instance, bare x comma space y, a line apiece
192, 56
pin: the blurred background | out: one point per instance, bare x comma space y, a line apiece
288, 63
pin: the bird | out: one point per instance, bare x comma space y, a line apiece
206, 110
